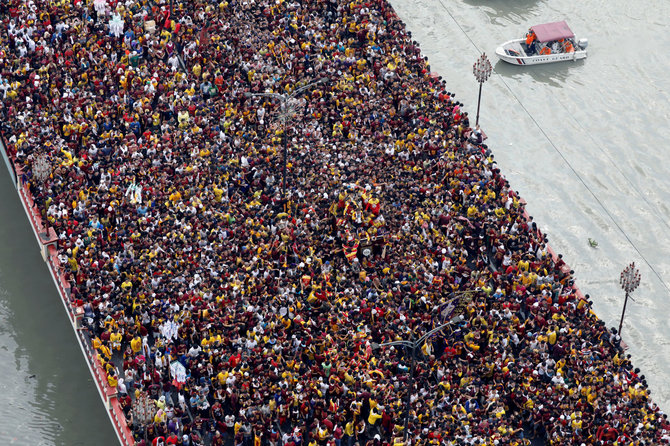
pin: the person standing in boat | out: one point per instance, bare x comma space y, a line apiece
568, 46
531, 40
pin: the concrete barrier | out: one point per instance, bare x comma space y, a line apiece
47, 240
8, 163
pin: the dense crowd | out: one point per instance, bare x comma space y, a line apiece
165, 188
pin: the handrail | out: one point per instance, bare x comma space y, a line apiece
46, 239
7, 158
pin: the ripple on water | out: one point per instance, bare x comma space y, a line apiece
24, 416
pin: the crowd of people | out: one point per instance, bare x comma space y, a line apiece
253, 308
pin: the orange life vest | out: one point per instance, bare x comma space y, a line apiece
545, 50
530, 37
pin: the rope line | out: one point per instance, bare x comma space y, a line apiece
537, 124
616, 166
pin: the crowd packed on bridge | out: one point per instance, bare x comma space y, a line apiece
165, 188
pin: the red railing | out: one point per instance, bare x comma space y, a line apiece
47, 240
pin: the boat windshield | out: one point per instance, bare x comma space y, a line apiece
552, 31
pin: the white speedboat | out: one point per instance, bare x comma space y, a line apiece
547, 43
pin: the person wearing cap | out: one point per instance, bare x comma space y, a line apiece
380, 155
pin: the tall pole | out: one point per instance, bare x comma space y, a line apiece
479, 101
410, 382
623, 313
482, 70
629, 280
286, 113
410, 388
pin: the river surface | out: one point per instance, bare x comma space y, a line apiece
48, 396
585, 143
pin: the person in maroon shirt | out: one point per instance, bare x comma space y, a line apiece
217, 439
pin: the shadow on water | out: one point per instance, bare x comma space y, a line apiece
553, 74
517, 11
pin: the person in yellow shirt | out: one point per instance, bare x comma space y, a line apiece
160, 417
349, 431
112, 379
373, 417
136, 345
183, 118
105, 352
222, 377
115, 338
577, 423
552, 336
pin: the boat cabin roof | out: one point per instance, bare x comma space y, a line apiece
552, 31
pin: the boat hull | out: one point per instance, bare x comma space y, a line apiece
514, 53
